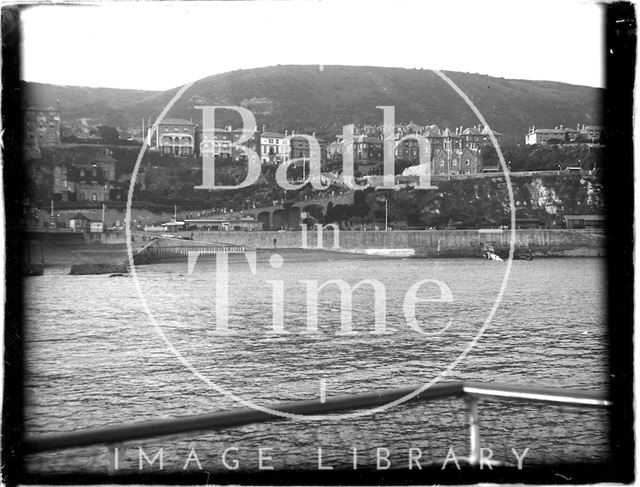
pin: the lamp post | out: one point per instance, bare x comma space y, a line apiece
386, 213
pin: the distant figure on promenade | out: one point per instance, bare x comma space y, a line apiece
275, 243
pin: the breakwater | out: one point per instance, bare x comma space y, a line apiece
426, 243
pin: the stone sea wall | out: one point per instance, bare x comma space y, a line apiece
426, 243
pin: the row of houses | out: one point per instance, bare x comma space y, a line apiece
182, 138
594, 134
450, 151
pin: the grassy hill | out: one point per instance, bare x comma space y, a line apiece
105, 105
307, 99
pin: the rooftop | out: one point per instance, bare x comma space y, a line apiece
485, 131
448, 133
369, 140
177, 121
104, 158
273, 135
433, 131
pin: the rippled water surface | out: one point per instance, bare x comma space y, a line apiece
94, 358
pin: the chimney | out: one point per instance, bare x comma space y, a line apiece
286, 133
264, 127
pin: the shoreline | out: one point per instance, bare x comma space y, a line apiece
66, 250
67, 255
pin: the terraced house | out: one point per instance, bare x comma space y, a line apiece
275, 148
593, 134
456, 161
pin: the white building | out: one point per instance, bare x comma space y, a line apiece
542, 136
275, 148
591, 133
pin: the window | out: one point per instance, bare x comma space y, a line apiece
466, 163
81, 173
94, 197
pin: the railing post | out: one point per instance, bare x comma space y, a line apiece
474, 430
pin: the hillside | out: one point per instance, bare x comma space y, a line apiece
307, 98
105, 105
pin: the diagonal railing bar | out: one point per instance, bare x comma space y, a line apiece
472, 392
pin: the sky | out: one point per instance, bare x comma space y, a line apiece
161, 45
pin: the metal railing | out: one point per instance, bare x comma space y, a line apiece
471, 392
167, 247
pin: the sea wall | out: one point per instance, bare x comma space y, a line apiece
107, 237
426, 243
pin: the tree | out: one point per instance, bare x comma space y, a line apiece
489, 156
360, 205
109, 135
